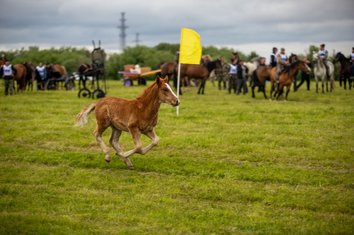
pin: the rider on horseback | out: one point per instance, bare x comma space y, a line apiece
282, 61
323, 55
273, 57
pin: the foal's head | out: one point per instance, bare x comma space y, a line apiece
165, 93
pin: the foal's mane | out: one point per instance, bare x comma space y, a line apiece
148, 93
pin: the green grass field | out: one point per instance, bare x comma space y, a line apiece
227, 165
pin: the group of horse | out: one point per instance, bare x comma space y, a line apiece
288, 75
259, 75
285, 79
25, 74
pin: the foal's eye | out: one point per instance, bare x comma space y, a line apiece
165, 90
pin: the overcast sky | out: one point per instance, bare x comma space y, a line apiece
247, 25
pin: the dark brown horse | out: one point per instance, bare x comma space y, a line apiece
85, 71
30, 76
199, 71
20, 76
260, 76
168, 69
137, 116
56, 73
2, 62
189, 71
345, 69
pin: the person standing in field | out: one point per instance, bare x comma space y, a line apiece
233, 75
221, 73
241, 78
42, 72
8, 72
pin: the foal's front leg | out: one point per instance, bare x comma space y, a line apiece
135, 132
138, 147
155, 140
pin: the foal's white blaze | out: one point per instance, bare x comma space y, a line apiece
170, 89
168, 86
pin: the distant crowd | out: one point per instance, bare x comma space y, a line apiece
233, 74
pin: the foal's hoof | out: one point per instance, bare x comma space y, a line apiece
131, 167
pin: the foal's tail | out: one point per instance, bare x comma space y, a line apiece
81, 118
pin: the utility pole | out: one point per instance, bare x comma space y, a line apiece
122, 27
137, 40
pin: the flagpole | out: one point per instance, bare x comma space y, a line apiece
178, 83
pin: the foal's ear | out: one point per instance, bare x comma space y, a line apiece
158, 80
165, 79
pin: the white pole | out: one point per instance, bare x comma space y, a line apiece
178, 82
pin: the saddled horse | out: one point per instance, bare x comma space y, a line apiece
137, 116
56, 73
287, 76
345, 69
320, 73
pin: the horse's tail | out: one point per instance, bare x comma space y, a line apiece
81, 118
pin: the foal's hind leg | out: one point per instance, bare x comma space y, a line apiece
114, 142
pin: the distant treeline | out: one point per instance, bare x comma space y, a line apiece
72, 57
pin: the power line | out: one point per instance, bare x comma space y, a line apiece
137, 40
122, 27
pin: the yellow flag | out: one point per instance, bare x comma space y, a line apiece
190, 49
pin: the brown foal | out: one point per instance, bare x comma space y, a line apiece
137, 116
